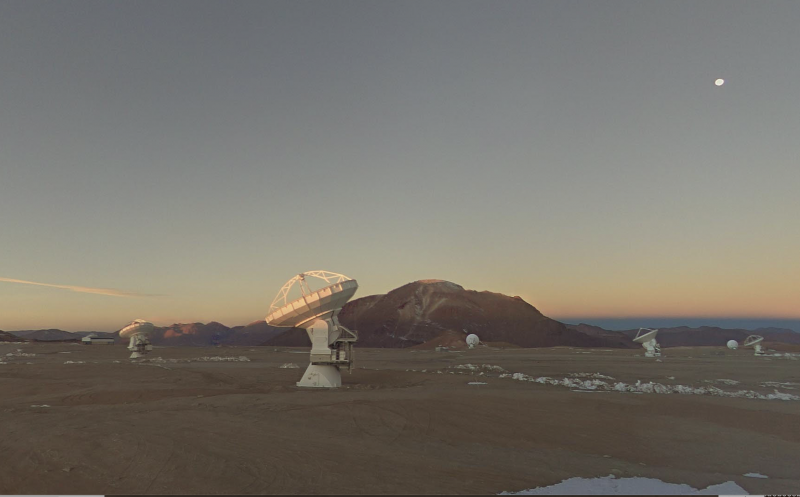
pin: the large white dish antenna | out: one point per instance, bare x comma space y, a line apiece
733, 344
647, 338
136, 327
755, 342
311, 304
473, 340
138, 331
317, 312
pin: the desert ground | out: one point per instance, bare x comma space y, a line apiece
87, 420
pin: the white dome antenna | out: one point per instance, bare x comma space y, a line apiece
138, 331
647, 338
316, 311
473, 340
755, 342
733, 344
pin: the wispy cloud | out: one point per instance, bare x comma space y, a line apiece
82, 289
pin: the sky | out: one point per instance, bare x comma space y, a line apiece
178, 161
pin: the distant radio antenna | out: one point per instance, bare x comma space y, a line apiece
317, 312
138, 331
647, 338
473, 340
733, 344
755, 342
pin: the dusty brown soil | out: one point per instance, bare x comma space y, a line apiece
244, 427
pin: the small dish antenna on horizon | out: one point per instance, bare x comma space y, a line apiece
733, 344
473, 340
647, 338
138, 331
317, 312
755, 342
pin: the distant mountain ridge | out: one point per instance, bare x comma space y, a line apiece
179, 334
8, 337
684, 336
428, 313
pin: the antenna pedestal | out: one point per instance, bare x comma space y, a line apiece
759, 349
139, 346
321, 376
652, 349
331, 347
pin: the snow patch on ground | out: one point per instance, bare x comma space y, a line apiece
723, 381
289, 365
755, 475
19, 353
596, 376
74, 362
786, 385
649, 387
477, 383
610, 485
159, 360
481, 367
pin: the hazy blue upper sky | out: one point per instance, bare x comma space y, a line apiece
575, 153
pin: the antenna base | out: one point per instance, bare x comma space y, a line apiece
319, 376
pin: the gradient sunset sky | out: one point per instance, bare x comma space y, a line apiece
179, 161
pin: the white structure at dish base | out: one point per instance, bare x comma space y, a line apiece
317, 312
755, 342
647, 338
138, 331
473, 340
733, 344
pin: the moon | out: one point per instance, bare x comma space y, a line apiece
719, 82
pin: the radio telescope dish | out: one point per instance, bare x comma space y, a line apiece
473, 340
647, 338
138, 331
317, 312
755, 342
733, 344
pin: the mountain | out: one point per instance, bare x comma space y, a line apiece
46, 335
179, 334
254, 333
428, 313
213, 333
621, 339
8, 337
436, 311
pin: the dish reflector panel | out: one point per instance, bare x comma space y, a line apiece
753, 340
645, 335
138, 326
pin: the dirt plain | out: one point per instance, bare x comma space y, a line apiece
183, 425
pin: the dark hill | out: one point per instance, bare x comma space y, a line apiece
426, 310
